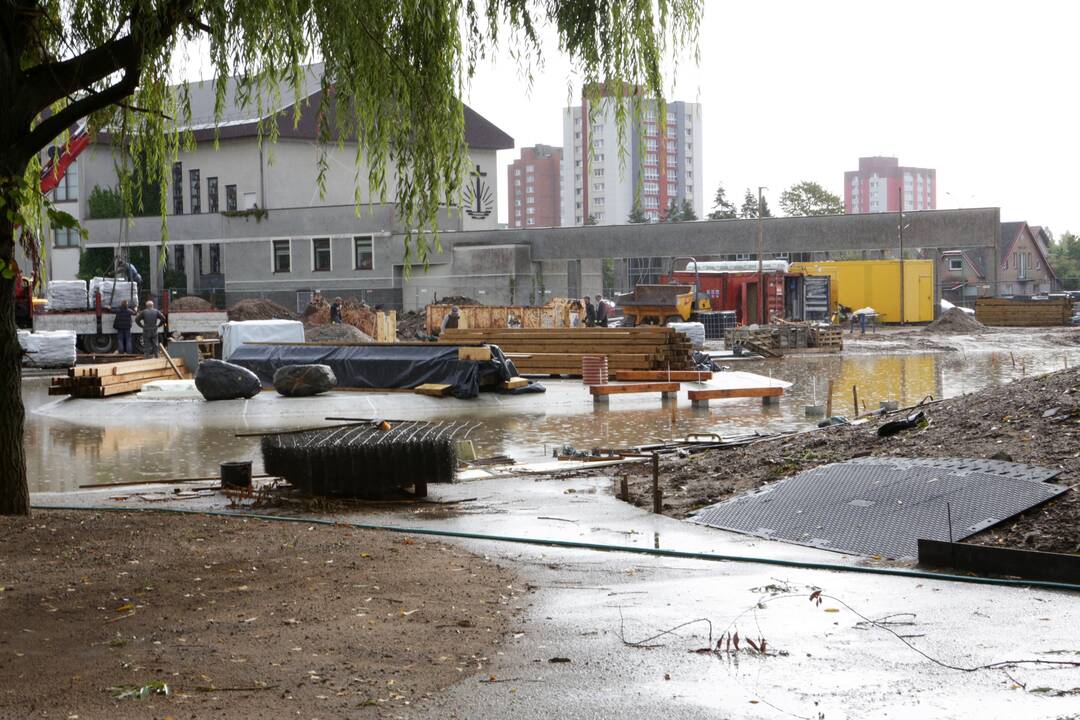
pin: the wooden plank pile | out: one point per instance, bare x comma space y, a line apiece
780, 338
106, 380
1000, 312
558, 351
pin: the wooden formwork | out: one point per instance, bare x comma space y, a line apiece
556, 314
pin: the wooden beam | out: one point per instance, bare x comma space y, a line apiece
663, 375
665, 387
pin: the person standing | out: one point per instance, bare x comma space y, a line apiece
601, 312
150, 319
590, 313
452, 319
122, 325
335, 311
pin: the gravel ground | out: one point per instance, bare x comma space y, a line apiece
240, 618
1035, 421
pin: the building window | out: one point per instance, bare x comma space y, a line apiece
178, 258
517, 172
67, 190
956, 265
178, 188
65, 237
230, 198
282, 256
196, 192
530, 211
530, 168
598, 172
530, 200
363, 250
528, 188
529, 178
320, 254
597, 202
211, 194
531, 221
670, 189
215, 259
517, 202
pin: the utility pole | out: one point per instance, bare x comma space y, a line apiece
763, 301
900, 231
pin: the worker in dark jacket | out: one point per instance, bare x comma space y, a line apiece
590, 312
122, 325
452, 319
335, 311
601, 312
150, 319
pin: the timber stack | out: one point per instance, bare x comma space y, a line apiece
559, 351
780, 338
1001, 312
106, 380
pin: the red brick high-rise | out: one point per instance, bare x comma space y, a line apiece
876, 186
533, 188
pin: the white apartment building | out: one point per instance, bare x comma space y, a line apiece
601, 182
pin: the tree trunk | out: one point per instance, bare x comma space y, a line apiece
14, 495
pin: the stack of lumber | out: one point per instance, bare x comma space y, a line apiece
558, 351
1023, 313
98, 381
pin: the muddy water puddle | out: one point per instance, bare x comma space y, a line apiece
63, 455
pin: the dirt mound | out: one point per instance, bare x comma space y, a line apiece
190, 303
410, 325
335, 333
353, 312
260, 310
955, 321
457, 300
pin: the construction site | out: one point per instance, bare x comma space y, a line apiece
655, 493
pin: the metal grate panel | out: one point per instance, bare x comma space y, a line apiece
882, 506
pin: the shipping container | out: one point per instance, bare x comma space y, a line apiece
856, 284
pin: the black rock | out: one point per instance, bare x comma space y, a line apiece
219, 380
304, 380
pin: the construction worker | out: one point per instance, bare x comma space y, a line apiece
150, 319
452, 319
601, 312
590, 312
122, 325
335, 311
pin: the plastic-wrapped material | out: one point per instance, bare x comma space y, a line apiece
693, 330
66, 294
113, 292
237, 332
48, 348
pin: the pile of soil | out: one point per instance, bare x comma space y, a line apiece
411, 325
955, 321
335, 332
241, 618
190, 303
353, 312
456, 300
258, 309
1035, 421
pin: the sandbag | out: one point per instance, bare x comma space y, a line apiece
304, 380
113, 292
693, 330
219, 380
66, 294
48, 348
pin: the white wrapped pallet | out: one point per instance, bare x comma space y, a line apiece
66, 294
48, 348
113, 292
693, 330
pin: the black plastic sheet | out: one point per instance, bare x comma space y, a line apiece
381, 366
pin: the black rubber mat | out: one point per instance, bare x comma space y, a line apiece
882, 506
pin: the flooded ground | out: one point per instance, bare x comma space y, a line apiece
63, 453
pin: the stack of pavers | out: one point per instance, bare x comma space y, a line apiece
365, 459
106, 380
558, 351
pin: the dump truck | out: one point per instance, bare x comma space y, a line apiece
656, 304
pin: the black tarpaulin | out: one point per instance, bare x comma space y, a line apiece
380, 366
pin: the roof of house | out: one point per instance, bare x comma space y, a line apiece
1009, 232
240, 115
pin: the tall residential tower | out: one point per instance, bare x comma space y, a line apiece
875, 187
598, 183
533, 192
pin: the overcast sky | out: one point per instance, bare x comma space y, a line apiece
986, 93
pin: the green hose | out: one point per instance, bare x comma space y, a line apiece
655, 552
